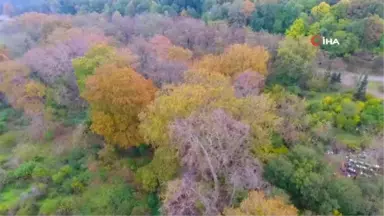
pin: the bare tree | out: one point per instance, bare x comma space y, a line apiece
181, 196
216, 147
249, 83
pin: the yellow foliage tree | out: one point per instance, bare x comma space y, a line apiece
237, 59
320, 10
116, 96
179, 53
258, 204
208, 91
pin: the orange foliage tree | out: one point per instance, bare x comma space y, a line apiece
21, 92
164, 49
237, 59
116, 95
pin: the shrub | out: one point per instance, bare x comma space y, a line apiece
107, 199
49, 135
3, 127
25, 170
41, 173
64, 171
28, 208
317, 84
66, 206
27, 151
349, 115
77, 186
49, 206
8, 140
147, 178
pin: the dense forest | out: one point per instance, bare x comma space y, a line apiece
191, 107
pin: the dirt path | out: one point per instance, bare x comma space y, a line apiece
349, 79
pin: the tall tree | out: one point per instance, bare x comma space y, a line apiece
297, 29
321, 10
361, 87
217, 148
21, 92
95, 57
294, 62
116, 96
249, 83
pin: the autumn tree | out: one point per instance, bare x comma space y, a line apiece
116, 95
29, 29
160, 44
258, 204
373, 31
158, 61
181, 196
95, 57
53, 63
292, 110
208, 90
321, 10
265, 39
217, 148
21, 92
249, 83
248, 7
180, 101
194, 35
236, 59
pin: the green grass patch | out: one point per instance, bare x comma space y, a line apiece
352, 141
8, 140
9, 199
376, 86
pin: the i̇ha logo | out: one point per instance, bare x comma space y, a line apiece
318, 40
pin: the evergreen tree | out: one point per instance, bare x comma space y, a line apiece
361, 87
335, 77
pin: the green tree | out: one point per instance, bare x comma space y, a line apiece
297, 29
349, 43
305, 175
163, 167
274, 17
294, 62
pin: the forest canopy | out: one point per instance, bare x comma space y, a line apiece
191, 107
